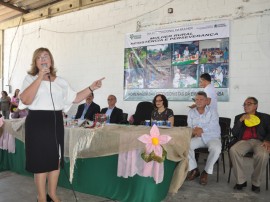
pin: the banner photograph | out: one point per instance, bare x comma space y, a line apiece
170, 61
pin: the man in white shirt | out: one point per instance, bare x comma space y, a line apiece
204, 122
209, 89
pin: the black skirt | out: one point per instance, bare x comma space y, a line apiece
44, 134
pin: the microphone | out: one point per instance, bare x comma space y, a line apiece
44, 66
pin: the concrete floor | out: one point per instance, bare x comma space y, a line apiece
18, 188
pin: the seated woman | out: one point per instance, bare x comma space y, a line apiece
4, 104
15, 112
14, 101
161, 111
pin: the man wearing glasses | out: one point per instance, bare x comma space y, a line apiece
115, 114
252, 129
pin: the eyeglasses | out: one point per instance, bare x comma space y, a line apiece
110, 99
45, 57
248, 104
159, 101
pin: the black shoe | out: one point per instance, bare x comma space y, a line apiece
255, 189
240, 186
49, 199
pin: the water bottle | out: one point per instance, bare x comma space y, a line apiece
107, 119
154, 122
147, 123
73, 121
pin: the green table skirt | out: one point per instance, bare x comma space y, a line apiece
98, 176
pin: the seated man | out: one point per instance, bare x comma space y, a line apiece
206, 133
115, 114
88, 109
251, 138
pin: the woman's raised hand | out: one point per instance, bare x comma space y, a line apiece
97, 84
44, 71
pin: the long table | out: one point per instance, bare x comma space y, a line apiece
95, 154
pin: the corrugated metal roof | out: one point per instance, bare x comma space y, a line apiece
29, 10
13, 8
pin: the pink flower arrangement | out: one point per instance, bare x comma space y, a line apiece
153, 149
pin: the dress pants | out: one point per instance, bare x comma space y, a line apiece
214, 149
260, 160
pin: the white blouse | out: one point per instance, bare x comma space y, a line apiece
63, 95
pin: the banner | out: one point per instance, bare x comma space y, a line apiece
170, 61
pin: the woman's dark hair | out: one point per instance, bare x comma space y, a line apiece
5, 92
15, 92
164, 99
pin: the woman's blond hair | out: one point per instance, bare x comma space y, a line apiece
34, 70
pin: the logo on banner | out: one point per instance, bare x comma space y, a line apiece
133, 36
219, 25
206, 27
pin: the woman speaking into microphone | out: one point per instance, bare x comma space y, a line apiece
46, 96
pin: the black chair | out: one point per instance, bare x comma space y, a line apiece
250, 155
180, 120
225, 124
124, 120
142, 113
226, 131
